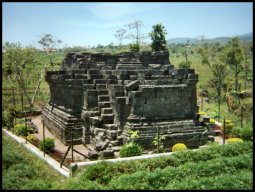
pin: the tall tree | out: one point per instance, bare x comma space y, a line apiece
136, 35
120, 35
18, 62
158, 37
49, 44
213, 56
234, 59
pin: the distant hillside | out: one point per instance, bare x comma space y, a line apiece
183, 40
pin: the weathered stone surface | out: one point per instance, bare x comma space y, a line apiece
106, 94
106, 154
93, 154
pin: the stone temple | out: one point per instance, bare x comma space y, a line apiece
97, 97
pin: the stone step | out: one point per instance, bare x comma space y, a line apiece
111, 134
103, 98
81, 76
99, 81
95, 121
101, 86
88, 86
103, 92
112, 81
107, 118
104, 105
111, 126
106, 111
93, 71
96, 76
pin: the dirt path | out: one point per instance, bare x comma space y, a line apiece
58, 144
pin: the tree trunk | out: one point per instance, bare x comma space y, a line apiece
23, 88
37, 88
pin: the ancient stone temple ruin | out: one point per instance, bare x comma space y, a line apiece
98, 97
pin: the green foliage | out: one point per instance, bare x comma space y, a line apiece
158, 37
247, 133
47, 145
160, 178
168, 172
21, 130
159, 142
130, 149
224, 181
23, 170
135, 47
8, 118
133, 135
185, 64
236, 132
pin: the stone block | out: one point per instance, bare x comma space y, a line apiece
106, 154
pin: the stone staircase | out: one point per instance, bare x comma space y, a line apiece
102, 123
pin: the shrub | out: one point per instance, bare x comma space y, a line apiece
31, 138
21, 130
185, 64
236, 132
228, 126
212, 120
47, 145
8, 118
135, 47
130, 149
179, 147
234, 140
246, 133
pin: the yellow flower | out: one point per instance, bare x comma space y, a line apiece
202, 113
212, 120
179, 147
234, 140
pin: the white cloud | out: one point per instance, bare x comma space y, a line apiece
112, 11
97, 25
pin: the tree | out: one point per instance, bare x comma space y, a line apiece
158, 37
186, 52
49, 44
18, 62
247, 53
120, 35
137, 36
234, 59
214, 57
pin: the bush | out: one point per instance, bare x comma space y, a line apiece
234, 140
8, 118
130, 149
47, 145
236, 132
179, 147
21, 130
135, 47
31, 138
185, 64
246, 133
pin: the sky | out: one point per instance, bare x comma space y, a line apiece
90, 24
